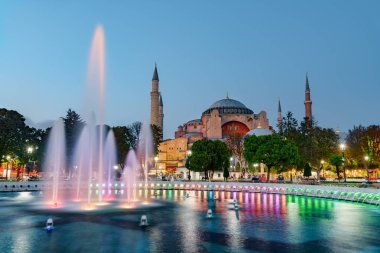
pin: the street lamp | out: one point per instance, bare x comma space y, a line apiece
188, 166
29, 150
343, 147
366, 158
7, 170
323, 163
155, 165
255, 165
232, 163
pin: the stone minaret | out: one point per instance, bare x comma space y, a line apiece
154, 99
279, 118
161, 113
308, 113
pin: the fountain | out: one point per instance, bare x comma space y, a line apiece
94, 158
129, 175
144, 221
49, 225
209, 214
55, 162
145, 149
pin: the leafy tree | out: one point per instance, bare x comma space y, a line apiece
364, 141
226, 174
272, 150
289, 126
157, 137
123, 139
135, 130
73, 126
208, 156
337, 161
16, 137
314, 143
235, 142
307, 170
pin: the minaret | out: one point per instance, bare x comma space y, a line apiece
308, 114
161, 113
154, 99
279, 118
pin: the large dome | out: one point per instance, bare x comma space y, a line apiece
227, 102
229, 106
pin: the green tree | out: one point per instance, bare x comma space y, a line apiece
135, 129
307, 170
337, 161
363, 141
314, 143
123, 139
16, 137
235, 142
272, 150
226, 174
73, 126
157, 137
208, 156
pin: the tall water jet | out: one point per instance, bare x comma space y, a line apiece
129, 173
54, 164
110, 159
82, 162
145, 149
95, 95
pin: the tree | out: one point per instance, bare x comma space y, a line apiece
16, 136
289, 126
123, 139
307, 170
364, 141
157, 137
337, 161
235, 142
135, 129
314, 143
208, 156
73, 126
272, 150
226, 174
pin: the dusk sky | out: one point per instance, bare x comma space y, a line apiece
257, 51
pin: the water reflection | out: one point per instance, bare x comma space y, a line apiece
263, 223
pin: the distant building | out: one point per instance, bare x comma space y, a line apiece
222, 119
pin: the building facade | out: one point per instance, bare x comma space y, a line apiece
224, 118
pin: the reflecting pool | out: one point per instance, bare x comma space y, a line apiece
178, 223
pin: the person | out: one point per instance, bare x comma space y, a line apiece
189, 176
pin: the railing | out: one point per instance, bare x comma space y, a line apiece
361, 195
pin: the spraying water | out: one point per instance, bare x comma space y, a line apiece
129, 175
54, 164
145, 149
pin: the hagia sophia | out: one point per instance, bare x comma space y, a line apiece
224, 118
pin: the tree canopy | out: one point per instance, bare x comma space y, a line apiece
271, 150
16, 137
313, 142
208, 156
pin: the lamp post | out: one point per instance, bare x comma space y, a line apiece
343, 147
255, 165
366, 158
29, 150
7, 170
322, 163
155, 165
188, 157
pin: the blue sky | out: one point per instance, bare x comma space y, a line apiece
257, 51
